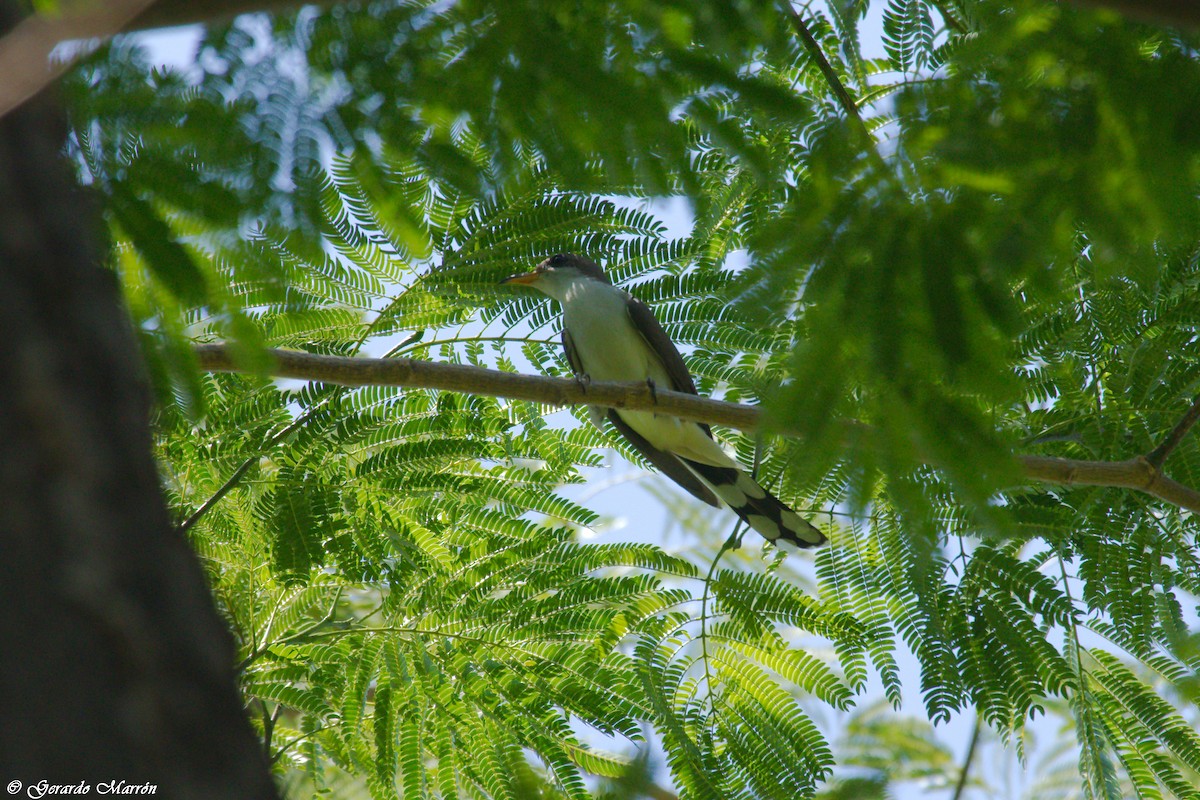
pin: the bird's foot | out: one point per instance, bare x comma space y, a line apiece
653, 390
584, 380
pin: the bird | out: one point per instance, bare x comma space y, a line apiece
609, 335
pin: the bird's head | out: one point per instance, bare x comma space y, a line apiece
557, 273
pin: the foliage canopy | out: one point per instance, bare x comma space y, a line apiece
991, 249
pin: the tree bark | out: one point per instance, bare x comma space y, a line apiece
114, 664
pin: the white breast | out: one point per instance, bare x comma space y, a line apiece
608, 345
611, 349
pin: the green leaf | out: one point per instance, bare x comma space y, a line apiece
168, 260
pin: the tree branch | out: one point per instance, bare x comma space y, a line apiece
169, 13
831, 77
1135, 473
1159, 454
25, 50
492, 383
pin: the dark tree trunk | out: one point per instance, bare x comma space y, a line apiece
114, 665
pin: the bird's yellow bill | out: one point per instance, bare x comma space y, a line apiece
522, 280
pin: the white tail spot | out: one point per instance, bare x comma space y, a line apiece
803, 530
747, 485
768, 529
732, 495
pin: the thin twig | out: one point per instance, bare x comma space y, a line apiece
952, 22
298, 423
730, 543
298, 635
292, 742
240, 472
831, 77
1159, 454
961, 785
269, 721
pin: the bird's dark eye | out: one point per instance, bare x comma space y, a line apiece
558, 260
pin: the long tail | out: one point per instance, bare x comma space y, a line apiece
761, 510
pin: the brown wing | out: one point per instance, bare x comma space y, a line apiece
572, 356
666, 463
595, 413
648, 326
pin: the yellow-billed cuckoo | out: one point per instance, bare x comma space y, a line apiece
611, 336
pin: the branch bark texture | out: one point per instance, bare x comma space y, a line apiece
467, 379
1135, 473
115, 664
25, 50
1159, 454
